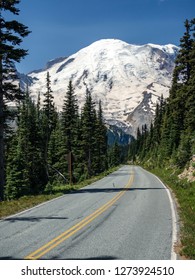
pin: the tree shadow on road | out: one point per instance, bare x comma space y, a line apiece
104, 257
111, 190
34, 218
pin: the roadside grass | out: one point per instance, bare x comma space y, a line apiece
14, 206
185, 195
10, 207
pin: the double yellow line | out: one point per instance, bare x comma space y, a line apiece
68, 233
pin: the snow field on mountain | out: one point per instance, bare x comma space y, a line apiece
114, 71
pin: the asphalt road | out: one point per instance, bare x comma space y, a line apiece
126, 215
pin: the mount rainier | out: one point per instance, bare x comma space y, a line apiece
128, 79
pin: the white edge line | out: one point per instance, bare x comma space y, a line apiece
173, 214
32, 208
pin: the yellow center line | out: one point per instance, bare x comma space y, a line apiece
68, 233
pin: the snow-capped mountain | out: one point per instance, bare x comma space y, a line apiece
129, 79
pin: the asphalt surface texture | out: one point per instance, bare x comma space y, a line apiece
127, 215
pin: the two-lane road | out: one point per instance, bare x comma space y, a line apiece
126, 215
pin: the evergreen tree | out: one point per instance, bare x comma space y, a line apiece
190, 89
70, 120
17, 171
149, 140
159, 114
49, 120
88, 120
18, 183
38, 175
57, 156
101, 142
115, 155
143, 141
132, 150
183, 153
49, 108
183, 67
166, 143
11, 34
138, 141
25, 169
70, 117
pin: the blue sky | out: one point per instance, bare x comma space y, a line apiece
62, 27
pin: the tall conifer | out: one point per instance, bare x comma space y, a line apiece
49, 119
70, 119
101, 142
11, 34
89, 120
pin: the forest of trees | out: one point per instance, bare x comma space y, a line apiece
170, 140
44, 147
51, 148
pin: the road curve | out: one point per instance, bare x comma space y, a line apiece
127, 215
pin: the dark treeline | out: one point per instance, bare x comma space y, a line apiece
171, 137
51, 148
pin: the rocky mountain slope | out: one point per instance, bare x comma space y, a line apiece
129, 79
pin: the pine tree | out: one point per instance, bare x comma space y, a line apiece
57, 161
144, 138
159, 114
49, 120
18, 177
49, 108
138, 141
149, 140
190, 89
101, 142
166, 143
183, 153
11, 34
70, 119
38, 175
88, 120
115, 155
25, 169
183, 67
